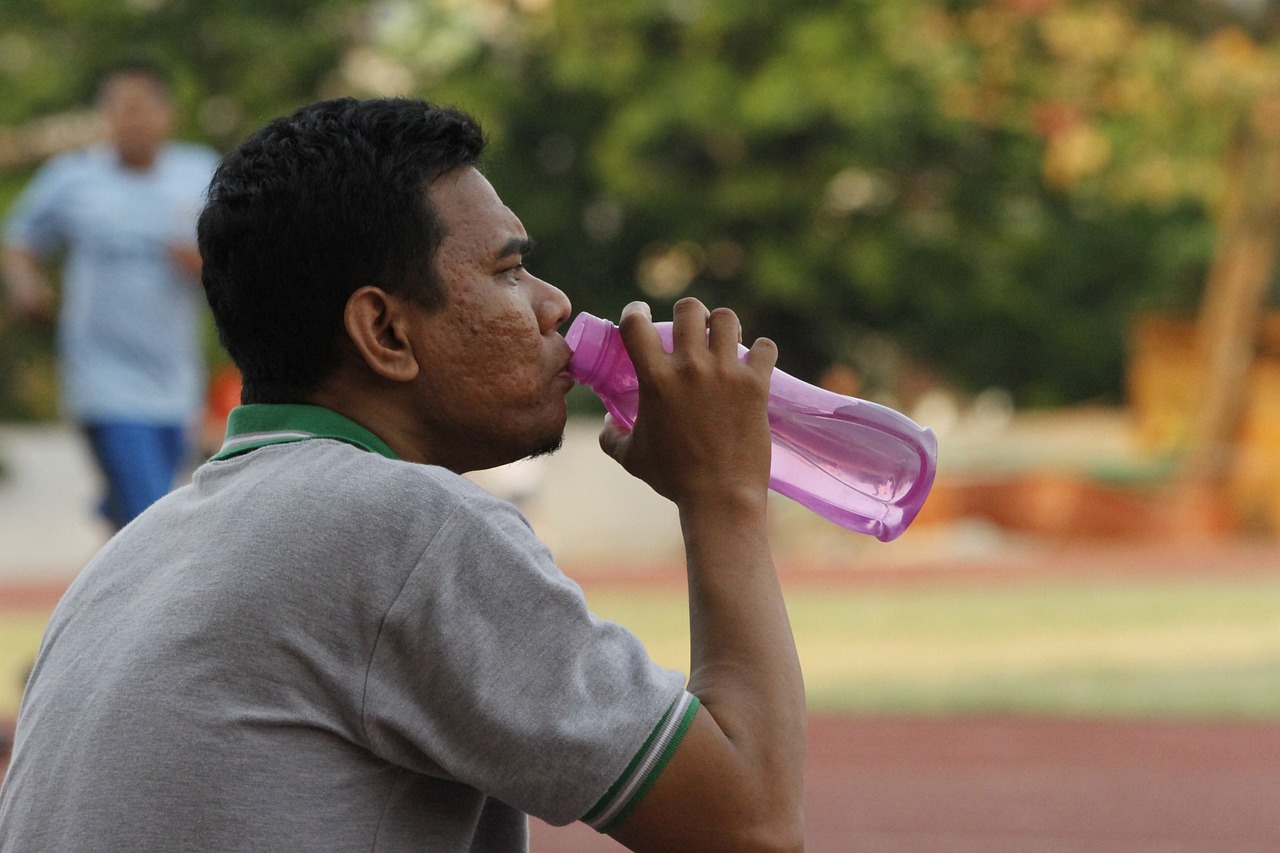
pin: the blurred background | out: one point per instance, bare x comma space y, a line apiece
1044, 228
960, 209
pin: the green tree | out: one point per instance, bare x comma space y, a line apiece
985, 190
854, 172
236, 62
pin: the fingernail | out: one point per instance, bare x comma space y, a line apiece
642, 307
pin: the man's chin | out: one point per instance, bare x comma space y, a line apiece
548, 447
532, 451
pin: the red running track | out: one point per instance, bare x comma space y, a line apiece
1027, 786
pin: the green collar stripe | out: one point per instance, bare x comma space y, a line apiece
259, 425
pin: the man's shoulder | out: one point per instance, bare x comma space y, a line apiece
54, 182
459, 493
402, 492
360, 482
74, 163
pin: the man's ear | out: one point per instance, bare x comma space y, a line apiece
377, 324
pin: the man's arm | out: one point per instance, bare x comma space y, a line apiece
702, 439
29, 294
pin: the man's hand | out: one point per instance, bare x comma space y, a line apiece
702, 430
187, 258
30, 298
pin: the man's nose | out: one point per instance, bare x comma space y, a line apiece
554, 307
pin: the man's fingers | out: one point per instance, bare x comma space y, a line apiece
689, 325
637, 308
726, 333
639, 336
763, 356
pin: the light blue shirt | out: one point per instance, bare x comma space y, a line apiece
129, 328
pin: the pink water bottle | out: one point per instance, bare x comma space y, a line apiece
859, 464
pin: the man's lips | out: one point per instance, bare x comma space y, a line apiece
565, 372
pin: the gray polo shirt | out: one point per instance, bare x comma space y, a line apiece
317, 647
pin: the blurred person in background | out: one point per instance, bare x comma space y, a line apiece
120, 214
332, 640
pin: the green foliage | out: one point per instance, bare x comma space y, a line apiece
804, 165
982, 191
235, 62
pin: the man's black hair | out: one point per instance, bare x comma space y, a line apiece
309, 209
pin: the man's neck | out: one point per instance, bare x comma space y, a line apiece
375, 413
138, 161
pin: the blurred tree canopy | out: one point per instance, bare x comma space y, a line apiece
978, 193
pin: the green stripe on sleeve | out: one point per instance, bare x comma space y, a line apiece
634, 783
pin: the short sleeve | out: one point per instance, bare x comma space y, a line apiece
38, 220
490, 670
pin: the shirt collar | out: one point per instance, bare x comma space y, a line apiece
260, 424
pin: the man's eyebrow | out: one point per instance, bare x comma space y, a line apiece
515, 246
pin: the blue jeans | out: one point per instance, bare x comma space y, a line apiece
140, 462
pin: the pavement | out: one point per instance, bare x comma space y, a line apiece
48, 491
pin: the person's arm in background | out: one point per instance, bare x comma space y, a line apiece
701, 439
30, 297
37, 226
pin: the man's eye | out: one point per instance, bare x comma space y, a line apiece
516, 271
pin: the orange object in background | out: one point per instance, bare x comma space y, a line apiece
1166, 388
223, 396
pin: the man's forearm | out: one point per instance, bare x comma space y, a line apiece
744, 665
737, 614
